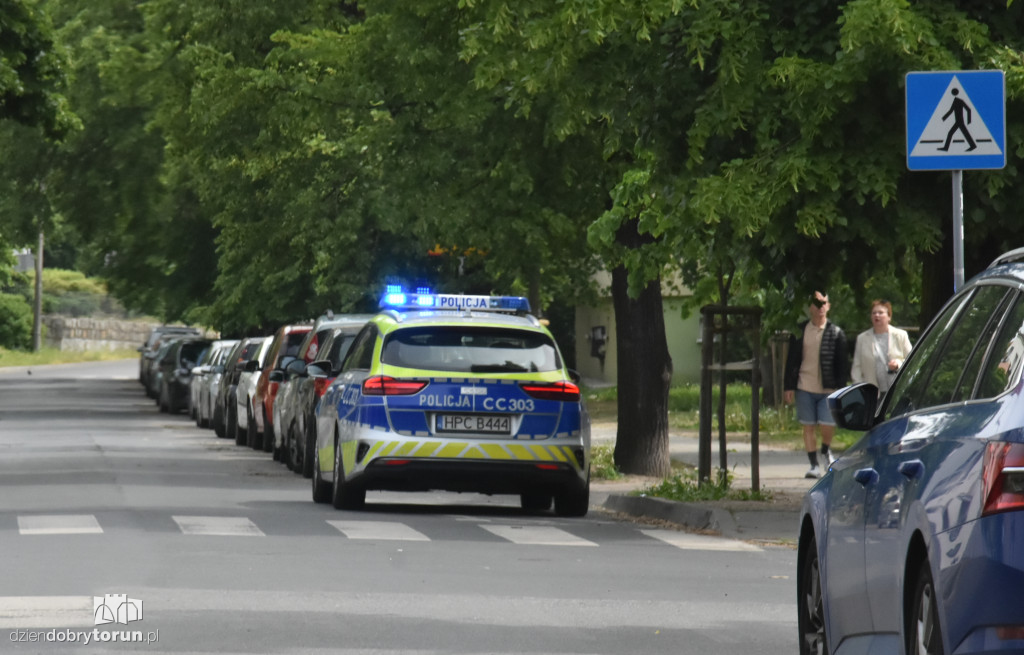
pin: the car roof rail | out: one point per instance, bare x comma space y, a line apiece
1016, 255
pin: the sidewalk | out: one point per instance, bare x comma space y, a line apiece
781, 472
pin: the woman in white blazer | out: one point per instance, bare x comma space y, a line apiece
880, 351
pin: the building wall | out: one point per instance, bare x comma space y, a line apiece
681, 334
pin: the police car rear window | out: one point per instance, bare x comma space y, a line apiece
471, 350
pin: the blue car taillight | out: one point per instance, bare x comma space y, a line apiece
1003, 478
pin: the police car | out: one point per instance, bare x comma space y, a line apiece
456, 393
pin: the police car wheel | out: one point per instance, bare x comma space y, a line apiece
535, 502
573, 501
345, 495
321, 489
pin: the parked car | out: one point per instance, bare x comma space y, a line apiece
205, 377
304, 381
154, 374
176, 366
224, 419
147, 351
284, 346
476, 399
911, 541
245, 395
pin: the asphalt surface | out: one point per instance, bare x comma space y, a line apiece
781, 477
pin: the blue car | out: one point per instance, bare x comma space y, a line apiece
913, 542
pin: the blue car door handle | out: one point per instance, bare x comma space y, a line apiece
912, 469
866, 476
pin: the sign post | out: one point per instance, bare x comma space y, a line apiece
956, 121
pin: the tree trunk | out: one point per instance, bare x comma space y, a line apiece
37, 313
644, 376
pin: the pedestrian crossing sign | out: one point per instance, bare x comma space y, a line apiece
956, 120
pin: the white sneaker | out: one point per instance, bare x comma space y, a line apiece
814, 473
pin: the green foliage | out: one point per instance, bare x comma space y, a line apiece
15, 322
32, 69
602, 463
684, 488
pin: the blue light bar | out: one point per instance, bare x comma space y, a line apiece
395, 299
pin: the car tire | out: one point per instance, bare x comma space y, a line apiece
321, 489
535, 502
924, 634
291, 450
310, 447
268, 436
162, 400
810, 608
233, 428
252, 437
345, 495
218, 424
574, 500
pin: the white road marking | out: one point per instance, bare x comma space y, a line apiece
383, 530
21, 612
59, 524
688, 541
537, 535
221, 526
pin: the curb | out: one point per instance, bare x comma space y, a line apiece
691, 516
775, 526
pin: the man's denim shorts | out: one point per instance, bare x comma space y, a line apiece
812, 408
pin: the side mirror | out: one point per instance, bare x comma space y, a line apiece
277, 375
575, 376
218, 369
320, 369
853, 407
251, 366
295, 367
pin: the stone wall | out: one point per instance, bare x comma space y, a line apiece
79, 334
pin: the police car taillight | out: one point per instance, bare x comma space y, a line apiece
1003, 477
384, 385
563, 391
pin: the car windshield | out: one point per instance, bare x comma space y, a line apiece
468, 349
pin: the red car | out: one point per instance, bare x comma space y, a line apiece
283, 349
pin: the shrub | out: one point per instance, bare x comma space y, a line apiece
15, 322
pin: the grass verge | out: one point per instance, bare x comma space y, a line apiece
54, 356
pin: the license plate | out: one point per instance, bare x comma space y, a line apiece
482, 423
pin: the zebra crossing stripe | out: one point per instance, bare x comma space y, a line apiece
59, 524
382, 530
219, 526
537, 535
688, 541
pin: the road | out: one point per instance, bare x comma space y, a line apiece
223, 551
